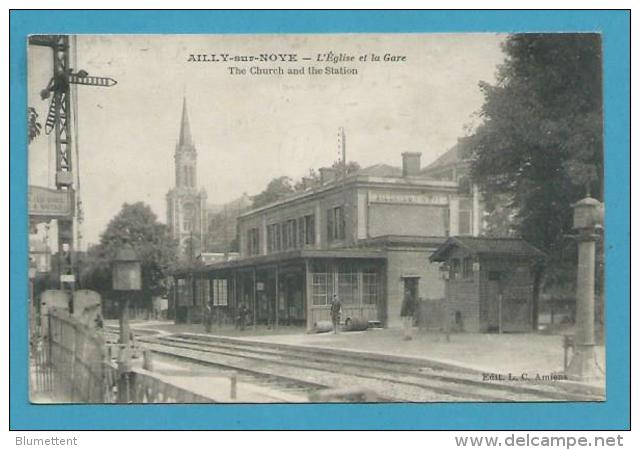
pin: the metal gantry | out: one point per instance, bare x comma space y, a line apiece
59, 120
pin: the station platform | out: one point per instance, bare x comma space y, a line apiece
535, 354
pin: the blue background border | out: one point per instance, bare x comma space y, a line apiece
612, 414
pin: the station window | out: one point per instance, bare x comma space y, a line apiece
348, 288
320, 288
369, 288
293, 233
277, 237
202, 291
454, 273
289, 232
467, 268
183, 292
253, 241
309, 229
301, 231
285, 236
335, 223
219, 293
465, 217
269, 238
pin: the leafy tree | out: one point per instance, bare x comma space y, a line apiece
539, 147
137, 225
500, 221
541, 139
352, 166
282, 187
277, 189
312, 178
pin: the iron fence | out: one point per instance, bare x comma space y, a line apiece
72, 363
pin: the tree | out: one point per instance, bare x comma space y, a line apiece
312, 178
282, 187
540, 141
501, 220
352, 167
277, 189
137, 225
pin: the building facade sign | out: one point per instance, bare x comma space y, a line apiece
53, 203
407, 199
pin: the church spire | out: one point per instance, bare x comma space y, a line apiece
185, 129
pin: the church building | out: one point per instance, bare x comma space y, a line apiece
186, 204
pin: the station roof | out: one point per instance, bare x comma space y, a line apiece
487, 246
457, 154
381, 170
284, 257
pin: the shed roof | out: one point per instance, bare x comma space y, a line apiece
487, 246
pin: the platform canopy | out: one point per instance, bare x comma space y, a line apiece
285, 257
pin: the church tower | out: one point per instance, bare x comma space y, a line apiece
186, 205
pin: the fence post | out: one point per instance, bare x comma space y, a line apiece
49, 352
147, 360
234, 385
74, 357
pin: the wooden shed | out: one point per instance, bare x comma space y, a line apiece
489, 283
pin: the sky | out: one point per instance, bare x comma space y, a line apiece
248, 128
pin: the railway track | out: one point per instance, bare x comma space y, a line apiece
296, 389
305, 371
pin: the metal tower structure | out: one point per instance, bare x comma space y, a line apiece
59, 121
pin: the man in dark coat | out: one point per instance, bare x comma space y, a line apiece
407, 312
242, 316
336, 309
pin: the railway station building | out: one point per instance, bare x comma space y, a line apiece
366, 236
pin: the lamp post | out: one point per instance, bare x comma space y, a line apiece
126, 278
587, 220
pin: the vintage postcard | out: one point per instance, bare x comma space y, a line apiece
295, 218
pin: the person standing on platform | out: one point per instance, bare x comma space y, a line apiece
407, 312
240, 317
336, 309
208, 317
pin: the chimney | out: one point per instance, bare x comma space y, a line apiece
327, 175
411, 164
307, 183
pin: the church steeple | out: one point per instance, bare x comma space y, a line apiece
186, 205
185, 129
186, 155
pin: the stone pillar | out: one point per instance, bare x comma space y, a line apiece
588, 219
583, 365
